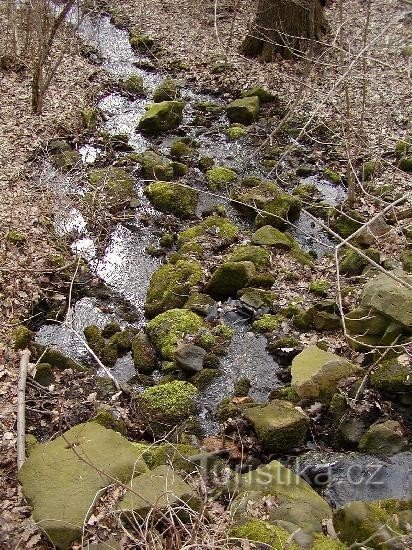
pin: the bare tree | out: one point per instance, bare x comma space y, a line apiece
284, 26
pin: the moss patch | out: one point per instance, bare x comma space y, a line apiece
173, 198
213, 224
162, 116
230, 277
220, 177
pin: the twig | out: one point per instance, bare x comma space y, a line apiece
21, 408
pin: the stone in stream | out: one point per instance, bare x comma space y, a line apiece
170, 286
173, 198
189, 358
316, 373
244, 110
111, 186
280, 426
154, 166
61, 484
159, 490
270, 236
144, 354
162, 116
220, 177
134, 84
167, 90
201, 304
385, 438
264, 95
230, 277
216, 226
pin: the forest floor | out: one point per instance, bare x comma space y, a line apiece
193, 41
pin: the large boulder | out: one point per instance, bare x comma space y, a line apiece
160, 490
393, 375
385, 438
316, 373
389, 297
61, 478
162, 116
364, 321
244, 110
280, 426
230, 277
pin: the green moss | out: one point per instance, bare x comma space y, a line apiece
236, 131
167, 329
220, 226
106, 417
203, 378
256, 297
189, 250
305, 191
21, 337
67, 160
302, 320
220, 177
242, 387
260, 531
385, 438
353, 264
270, 236
155, 167
56, 359
267, 323
392, 375
141, 41
209, 107
110, 329
338, 406
166, 91
287, 394
122, 340
134, 84
112, 184
199, 303
403, 146
170, 285
332, 176
263, 95
370, 169
230, 277
205, 163
180, 148
346, 223
90, 118
162, 116
173, 198
319, 287
321, 542
405, 164
107, 353
243, 110
144, 355
44, 374
226, 409
177, 455
259, 256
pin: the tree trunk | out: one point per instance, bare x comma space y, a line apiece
285, 27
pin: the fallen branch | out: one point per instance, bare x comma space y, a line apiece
21, 408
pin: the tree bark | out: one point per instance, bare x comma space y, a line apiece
284, 27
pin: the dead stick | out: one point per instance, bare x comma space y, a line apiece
21, 408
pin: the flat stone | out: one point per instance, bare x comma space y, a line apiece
190, 358
385, 438
270, 236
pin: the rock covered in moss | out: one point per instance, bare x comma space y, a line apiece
353, 263
406, 258
393, 375
134, 84
377, 522
55, 358
213, 225
21, 337
230, 277
249, 253
173, 198
370, 168
316, 373
405, 164
332, 176
15, 237
279, 426
236, 131
181, 148
110, 329
107, 353
258, 91
267, 323
244, 110
44, 374
62, 487
346, 223
155, 166
112, 185
365, 321
319, 287
220, 177
325, 321
122, 340
144, 354
67, 160
256, 297
167, 90
385, 438
199, 303
170, 285
162, 116
270, 236
278, 206
403, 146
166, 330
107, 417
261, 531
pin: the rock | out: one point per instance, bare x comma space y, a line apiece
345, 224
270, 236
155, 167
167, 405
110, 419
244, 110
55, 358
230, 277
181, 148
134, 84
406, 258
200, 303
370, 169
213, 225
375, 522
278, 205
305, 170
170, 285
353, 264
162, 116
264, 95
107, 353
144, 355
21, 337
364, 321
389, 297
159, 490
44, 374
167, 329
67, 160
257, 298
62, 488
205, 163
90, 118
173, 198
405, 164
316, 373
259, 256
110, 329
370, 234
296, 502
122, 340
267, 323
280, 427
393, 375
236, 131
324, 321
113, 186
220, 177
166, 91
260, 531
385, 438
190, 358
352, 428
332, 176
319, 287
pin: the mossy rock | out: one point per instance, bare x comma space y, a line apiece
167, 90
346, 224
229, 408
244, 110
21, 337
90, 118
204, 378
144, 354
267, 323
134, 84
279, 426
260, 531
220, 177
173, 198
406, 258
230, 277
364, 321
206, 163
161, 117
15, 237
353, 263
167, 329
106, 352
236, 131
374, 521
270, 236
170, 285
403, 147
370, 169
385, 438
302, 320
180, 148
405, 164
332, 176
256, 297
122, 340
61, 485
316, 373
325, 321
258, 91
141, 41
221, 227
278, 205
110, 329
112, 185
55, 358
107, 417
249, 253
319, 287
168, 404
393, 375
155, 167
67, 160
199, 303
44, 374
